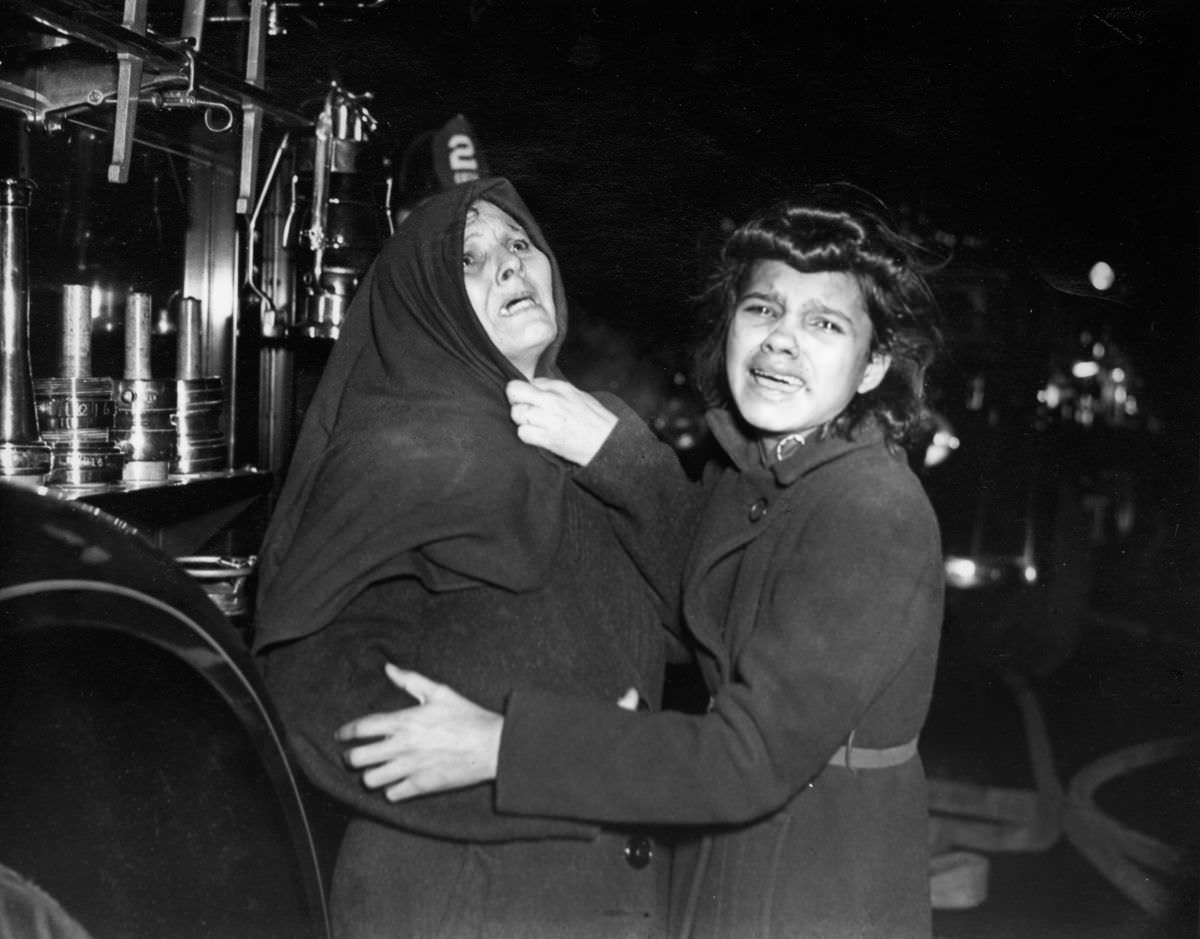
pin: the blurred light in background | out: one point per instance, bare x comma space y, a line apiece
966, 573
1101, 275
944, 442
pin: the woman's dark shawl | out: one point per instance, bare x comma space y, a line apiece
407, 464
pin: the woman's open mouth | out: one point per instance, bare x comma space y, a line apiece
520, 304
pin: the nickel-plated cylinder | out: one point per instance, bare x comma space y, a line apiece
144, 423
189, 361
200, 444
75, 410
24, 456
78, 416
137, 336
144, 427
77, 331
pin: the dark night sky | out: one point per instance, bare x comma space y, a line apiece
1058, 129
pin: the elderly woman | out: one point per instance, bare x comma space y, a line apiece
416, 528
812, 593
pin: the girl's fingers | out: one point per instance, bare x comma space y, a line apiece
414, 683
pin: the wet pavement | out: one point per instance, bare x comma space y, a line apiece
1132, 680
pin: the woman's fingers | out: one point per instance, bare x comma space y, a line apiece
551, 395
558, 417
519, 387
524, 392
532, 406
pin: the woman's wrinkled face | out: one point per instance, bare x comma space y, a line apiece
510, 284
798, 349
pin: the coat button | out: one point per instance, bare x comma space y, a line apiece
758, 509
638, 852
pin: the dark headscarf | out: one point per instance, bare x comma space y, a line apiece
407, 463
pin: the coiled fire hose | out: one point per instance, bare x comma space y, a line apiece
997, 819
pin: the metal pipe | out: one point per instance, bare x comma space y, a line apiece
24, 456
145, 414
189, 342
77, 331
137, 336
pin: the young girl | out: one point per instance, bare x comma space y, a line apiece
811, 592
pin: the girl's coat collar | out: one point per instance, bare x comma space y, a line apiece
747, 453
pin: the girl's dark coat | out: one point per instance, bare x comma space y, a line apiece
813, 593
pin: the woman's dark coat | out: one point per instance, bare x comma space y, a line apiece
813, 594
415, 528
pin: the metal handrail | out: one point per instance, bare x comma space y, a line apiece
79, 22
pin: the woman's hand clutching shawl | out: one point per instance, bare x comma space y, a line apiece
557, 416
